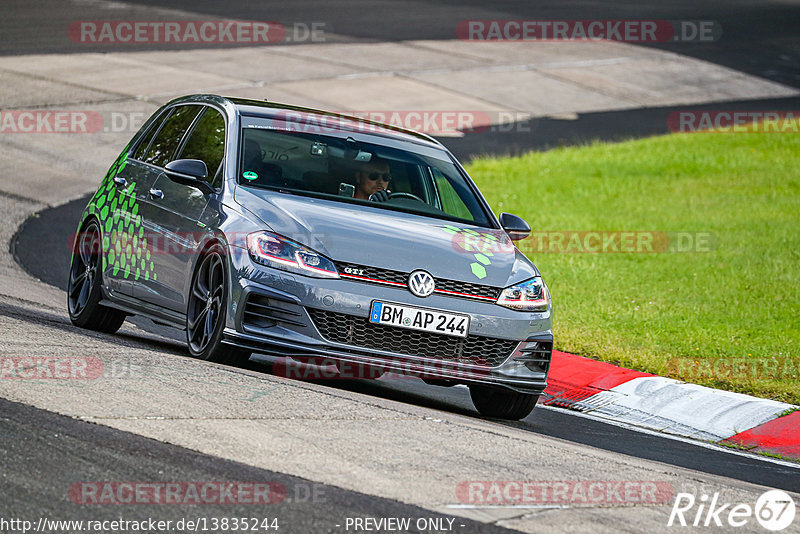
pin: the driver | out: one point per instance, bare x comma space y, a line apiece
372, 177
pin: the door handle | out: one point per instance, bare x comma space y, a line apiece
120, 181
157, 193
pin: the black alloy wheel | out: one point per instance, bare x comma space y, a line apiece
84, 291
205, 317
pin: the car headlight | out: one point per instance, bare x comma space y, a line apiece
272, 250
527, 296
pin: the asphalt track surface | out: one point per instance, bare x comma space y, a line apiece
612, 126
42, 247
43, 446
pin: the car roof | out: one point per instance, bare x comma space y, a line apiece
328, 119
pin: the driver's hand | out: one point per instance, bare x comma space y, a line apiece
380, 196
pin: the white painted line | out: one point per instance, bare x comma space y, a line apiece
513, 506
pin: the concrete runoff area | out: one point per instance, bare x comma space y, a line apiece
411, 454
497, 83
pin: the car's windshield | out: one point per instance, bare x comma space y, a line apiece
333, 165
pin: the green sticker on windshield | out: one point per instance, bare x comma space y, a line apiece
249, 175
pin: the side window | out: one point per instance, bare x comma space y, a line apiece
207, 142
141, 150
169, 137
451, 202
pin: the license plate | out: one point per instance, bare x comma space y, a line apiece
413, 318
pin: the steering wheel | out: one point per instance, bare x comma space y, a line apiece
401, 194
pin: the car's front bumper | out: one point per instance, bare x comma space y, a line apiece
282, 323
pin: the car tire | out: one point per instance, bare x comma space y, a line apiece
207, 310
502, 403
84, 287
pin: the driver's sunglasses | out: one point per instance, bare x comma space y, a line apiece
385, 176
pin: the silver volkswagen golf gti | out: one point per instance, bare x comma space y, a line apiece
258, 227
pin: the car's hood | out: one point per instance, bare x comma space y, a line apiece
391, 239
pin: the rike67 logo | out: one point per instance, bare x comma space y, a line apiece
774, 510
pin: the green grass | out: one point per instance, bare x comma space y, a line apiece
738, 447
728, 318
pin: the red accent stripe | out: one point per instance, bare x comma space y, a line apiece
463, 294
779, 436
372, 280
398, 284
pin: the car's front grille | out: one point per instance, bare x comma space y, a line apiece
372, 274
453, 288
264, 311
358, 331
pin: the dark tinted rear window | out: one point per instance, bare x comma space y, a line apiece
141, 149
207, 141
163, 147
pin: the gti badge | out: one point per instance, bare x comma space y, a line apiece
421, 283
353, 270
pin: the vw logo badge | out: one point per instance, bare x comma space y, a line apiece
421, 283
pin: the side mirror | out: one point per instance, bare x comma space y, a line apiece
515, 227
191, 172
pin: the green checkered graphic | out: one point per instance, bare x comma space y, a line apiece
479, 244
118, 213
